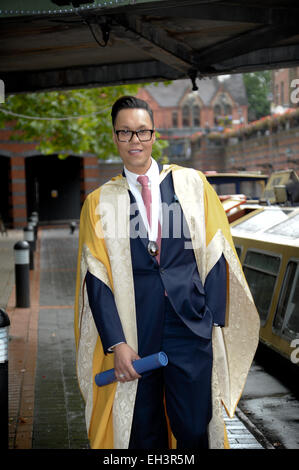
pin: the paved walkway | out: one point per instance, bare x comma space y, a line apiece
46, 410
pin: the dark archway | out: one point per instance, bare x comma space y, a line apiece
53, 187
5, 189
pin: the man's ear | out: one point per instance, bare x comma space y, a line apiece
154, 136
114, 136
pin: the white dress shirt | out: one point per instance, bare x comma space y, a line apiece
135, 188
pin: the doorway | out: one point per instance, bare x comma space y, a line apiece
53, 187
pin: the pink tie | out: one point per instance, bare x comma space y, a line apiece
147, 199
146, 196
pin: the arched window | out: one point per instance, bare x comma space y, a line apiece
196, 115
175, 119
186, 116
217, 110
227, 110
276, 94
282, 93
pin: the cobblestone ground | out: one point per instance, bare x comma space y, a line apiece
59, 410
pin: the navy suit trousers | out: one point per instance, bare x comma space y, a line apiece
186, 384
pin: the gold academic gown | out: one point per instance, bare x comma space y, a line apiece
104, 250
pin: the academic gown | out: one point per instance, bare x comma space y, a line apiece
198, 306
111, 271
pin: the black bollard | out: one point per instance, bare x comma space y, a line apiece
72, 227
4, 326
33, 223
34, 216
22, 279
29, 237
34, 219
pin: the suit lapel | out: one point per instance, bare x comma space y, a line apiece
167, 190
139, 227
167, 198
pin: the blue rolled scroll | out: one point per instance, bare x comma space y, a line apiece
145, 364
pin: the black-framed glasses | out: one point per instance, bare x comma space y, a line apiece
144, 135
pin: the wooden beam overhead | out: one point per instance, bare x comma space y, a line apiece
240, 12
263, 59
155, 42
88, 76
244, 43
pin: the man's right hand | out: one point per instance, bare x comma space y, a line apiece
123, 357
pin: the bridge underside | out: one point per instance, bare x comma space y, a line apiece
50, 45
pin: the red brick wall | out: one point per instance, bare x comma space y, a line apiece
108, 170
95, 172
208, 156
90, 176
280, 150
281, 76
18, 192
17, 178
162, 116
265, 153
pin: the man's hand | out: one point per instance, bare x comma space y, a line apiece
123, 357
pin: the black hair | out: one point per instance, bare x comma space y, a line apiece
130, 102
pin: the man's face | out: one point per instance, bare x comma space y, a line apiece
136, 155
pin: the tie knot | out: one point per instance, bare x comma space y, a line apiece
143, 180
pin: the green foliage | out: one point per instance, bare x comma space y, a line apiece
89, 133
158, 149
258, 87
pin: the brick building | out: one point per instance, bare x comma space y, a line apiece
180, 113
31, 182
265, 152
284, 84
57, 188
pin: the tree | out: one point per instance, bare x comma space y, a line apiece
258, 87
69, 122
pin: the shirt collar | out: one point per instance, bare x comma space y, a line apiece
152, 173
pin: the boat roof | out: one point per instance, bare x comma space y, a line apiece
273, 224
230, 177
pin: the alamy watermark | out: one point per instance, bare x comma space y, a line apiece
114, 218
294, 96
2, 91
295, 353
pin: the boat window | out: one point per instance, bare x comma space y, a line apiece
286, 319
261, 221
266, 262
261, 270
238, 250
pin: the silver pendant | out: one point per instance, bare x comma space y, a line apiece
153, 248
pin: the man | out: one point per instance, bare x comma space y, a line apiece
157, 270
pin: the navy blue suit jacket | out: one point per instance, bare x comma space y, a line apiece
198, 306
